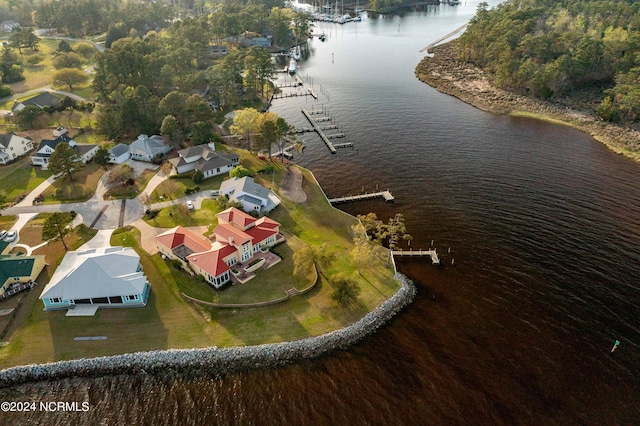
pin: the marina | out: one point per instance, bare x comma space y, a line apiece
320, 130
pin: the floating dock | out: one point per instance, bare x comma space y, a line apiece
383, 194
431, 253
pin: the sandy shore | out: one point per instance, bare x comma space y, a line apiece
469, 84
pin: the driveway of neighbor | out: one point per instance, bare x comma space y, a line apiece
28, 200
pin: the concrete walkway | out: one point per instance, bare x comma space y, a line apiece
153, 184
101, 239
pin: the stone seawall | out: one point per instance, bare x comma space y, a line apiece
218, 361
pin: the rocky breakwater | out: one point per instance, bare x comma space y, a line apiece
445, 72
218, 361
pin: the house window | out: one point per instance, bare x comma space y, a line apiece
131, 297
55, 300
218, 170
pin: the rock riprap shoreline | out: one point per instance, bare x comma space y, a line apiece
445, 72
218, 361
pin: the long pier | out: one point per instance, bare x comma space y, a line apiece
318, 130
431, 253
384, 194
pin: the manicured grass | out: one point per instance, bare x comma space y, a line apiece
178, 214
272, 283
32, 337
81, 188
21, 179
170, 322
131, 191
40, 75
7, 222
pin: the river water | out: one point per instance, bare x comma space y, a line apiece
544, 228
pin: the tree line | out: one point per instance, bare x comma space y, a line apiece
550, 48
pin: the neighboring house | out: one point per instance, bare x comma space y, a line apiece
119, 154
13, 146
15, 269
219, 50
238, 237
47, 146
106, 277
148, 148
252, 196
8, 26
42, 100
261, 42
205, 159
85, 151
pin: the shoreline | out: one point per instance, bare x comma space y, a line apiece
218, 361
465, 81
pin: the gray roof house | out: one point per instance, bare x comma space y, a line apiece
205, 159
41, 100
119, 154
252, 196
105, 277
147, 148
13, 146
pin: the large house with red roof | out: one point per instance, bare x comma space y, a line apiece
238, 237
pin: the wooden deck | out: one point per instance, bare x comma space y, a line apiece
384, 194
431, 253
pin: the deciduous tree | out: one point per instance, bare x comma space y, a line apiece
70, 77
345, 290
57, 226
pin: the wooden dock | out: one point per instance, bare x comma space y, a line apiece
343, 145
383, 194
431, 253
318, 130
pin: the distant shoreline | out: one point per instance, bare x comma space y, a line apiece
469, 83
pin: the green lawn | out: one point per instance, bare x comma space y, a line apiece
170, 322
37, 337
178, 214
21, 178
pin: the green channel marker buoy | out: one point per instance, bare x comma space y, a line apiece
615, 345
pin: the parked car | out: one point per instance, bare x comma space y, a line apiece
11, 236
3, 234
190, 205
214, 193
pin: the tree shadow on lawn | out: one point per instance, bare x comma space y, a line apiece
126, 329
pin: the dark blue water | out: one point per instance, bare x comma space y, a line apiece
544, 226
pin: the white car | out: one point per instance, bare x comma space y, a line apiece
214, 193
190, 205
11, 236
3, 234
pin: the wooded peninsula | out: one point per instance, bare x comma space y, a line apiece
575, 62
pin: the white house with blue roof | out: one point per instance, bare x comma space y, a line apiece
106, 277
